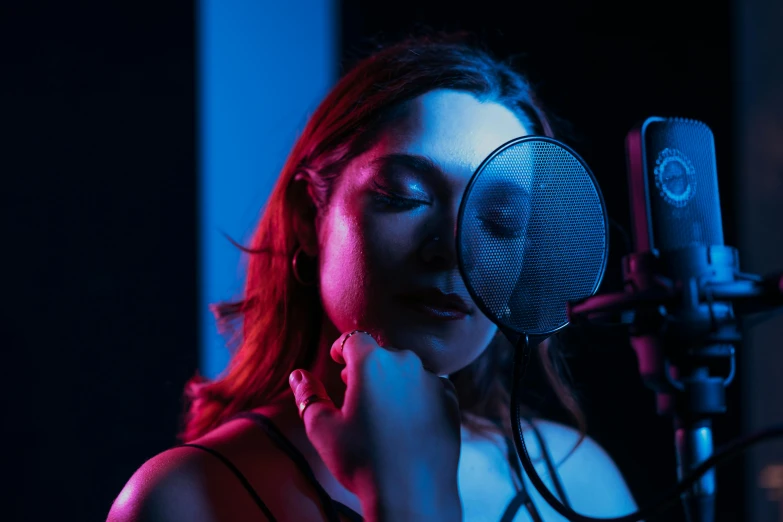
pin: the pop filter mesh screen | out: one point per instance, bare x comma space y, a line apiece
532, 234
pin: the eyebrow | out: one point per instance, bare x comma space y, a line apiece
509, 188
424, 165
414, 162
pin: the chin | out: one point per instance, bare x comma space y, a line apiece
446, 368
439, 354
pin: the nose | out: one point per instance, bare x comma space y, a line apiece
438, 236
438, 251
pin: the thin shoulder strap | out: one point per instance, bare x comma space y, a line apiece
230, 465
348, 513
296, 456
550, 465
522, 497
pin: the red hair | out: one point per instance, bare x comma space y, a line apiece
280, 318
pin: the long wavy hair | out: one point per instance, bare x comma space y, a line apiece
275, 324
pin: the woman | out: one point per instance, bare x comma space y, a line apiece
353, 307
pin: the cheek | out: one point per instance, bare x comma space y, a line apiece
361, 255
390, 240
358, 256
343, 269
481, 334
465, 346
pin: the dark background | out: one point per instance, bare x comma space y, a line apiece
99, 205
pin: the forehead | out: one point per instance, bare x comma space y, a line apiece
454, 129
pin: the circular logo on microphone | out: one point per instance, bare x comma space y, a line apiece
675, 177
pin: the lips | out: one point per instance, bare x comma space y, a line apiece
436, 303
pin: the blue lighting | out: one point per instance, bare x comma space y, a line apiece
263, 68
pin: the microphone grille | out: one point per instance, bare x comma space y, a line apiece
682, 183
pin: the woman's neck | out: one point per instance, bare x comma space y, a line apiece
283, 411
324, 368
283, 408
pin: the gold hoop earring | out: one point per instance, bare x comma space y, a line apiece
296, 265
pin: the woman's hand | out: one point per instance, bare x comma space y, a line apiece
395, 442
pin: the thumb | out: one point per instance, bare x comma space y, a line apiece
315, 407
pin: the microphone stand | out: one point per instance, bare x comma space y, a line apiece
692, 396
686, 352
684, 331
685, 340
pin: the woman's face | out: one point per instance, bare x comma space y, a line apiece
387, 254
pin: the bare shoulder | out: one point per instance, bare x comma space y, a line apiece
189, 484
593, 483
170, 486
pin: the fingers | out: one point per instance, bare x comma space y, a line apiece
352, 347
315, 406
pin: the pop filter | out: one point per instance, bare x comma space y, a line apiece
532, 235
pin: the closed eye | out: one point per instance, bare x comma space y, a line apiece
504, 230
504, 221
389, 201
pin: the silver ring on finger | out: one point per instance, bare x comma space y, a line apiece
310, 400
342, 344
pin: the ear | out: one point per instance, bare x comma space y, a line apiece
305, 214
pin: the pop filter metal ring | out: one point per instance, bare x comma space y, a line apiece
480, 302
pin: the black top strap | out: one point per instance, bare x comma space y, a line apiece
331, 507
245, 483
550, 465
347, 512
522, 497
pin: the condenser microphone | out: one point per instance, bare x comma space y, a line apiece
682, 295
673, 183
678, 249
